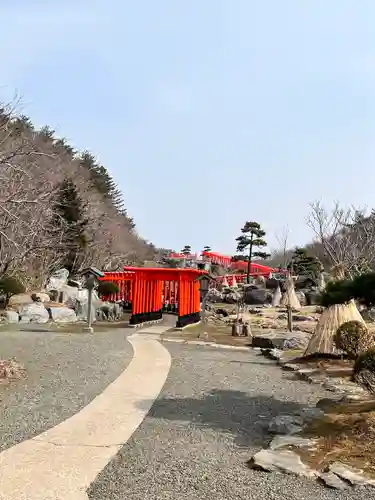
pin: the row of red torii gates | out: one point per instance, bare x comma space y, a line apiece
148, 292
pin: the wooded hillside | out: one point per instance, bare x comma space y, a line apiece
58, 207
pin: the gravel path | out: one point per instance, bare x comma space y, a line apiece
205, 425
65, 372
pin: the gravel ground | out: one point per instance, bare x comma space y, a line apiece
65, 372
206, 424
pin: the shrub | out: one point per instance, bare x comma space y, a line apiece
107, 288
353, 338
364, 370
363, 288
337, 292
11, 286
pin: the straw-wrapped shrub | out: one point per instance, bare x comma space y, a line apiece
364, 370
322, 341
353, 337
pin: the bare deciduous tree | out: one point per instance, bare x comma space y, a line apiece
282, 239
32, 164
346, 237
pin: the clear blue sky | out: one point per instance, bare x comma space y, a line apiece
207, 113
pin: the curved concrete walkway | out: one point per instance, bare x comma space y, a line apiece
61, 463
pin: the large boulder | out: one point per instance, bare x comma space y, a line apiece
281, 340
19, 300
39, 296
257, 296
82, 300
214, 295
62, 314
9, 316
33, 313
66, 295
232, 296
312, 298
57, 280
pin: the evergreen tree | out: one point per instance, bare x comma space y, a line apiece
102, 181
47, 133
305, 265
70, 214
64, 146
186, 250
22, 124
252, 237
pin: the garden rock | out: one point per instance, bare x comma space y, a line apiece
281, 340
19, 300
301, 317
81, 308
40, 297
257, 297
283, 441
9, 316
214, 295
34, 313
286, 424
231, 298
355, 477
280, 461
57, 280
313, 298
333, 481
309, 414
62, 315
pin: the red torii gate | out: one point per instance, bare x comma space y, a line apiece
146, 289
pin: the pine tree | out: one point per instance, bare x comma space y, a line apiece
305, 265
22, 124
46, 133
252, 237
70, 214
186, 250
102, 180
64, 146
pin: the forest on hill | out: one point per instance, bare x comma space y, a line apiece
58, 207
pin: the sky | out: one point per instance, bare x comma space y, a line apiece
207, 113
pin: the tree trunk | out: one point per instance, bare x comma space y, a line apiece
249, 261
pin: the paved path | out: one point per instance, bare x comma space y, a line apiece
65, 372
61, 463
207, 422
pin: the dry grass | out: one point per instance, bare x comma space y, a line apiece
348, 438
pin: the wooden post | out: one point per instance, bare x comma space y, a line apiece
289, 305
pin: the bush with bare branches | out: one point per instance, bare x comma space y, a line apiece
345, 237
